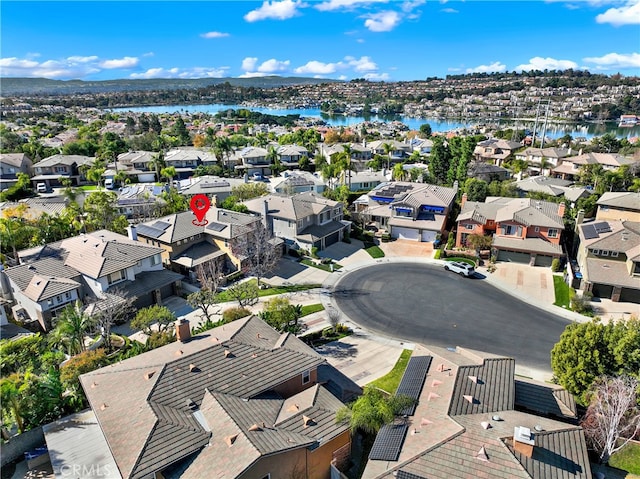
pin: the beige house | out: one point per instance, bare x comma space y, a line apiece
239, 401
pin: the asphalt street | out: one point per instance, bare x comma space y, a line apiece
428, 305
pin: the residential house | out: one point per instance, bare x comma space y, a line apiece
524, 230
140, 202
185, 244
360, 154
487, 172
362, 180
238, 401
84, 268
474, 418
10, 165
619, 205
137, 165
305, 220
290, 155
215, 188
186, 159
296, 181
251, 160
400, 151
552, 187
413, 211
542, 160
422, 146
495, 150
54, 168
570, 166
609, 259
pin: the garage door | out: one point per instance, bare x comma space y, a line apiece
543, 260
628, 295
514, 256
405, 233
428, 236
331, 239
602, 290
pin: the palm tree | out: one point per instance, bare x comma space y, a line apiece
157, 163
345, 162
223, 145
273, 157
399, 172
95, 175
10, 398
72, 325
388, 148
168, 172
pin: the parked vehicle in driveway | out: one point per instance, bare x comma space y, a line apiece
42, 188
464, 269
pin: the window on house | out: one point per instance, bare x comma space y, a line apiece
155, 259
596, 252
469, 226
60, 169
116, 277
604, 252
553, 233
306, 377
614, 254
67, 295
537, 230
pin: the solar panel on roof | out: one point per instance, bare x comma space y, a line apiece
149, 231
408, 475
602, 227
388, 442
161, 225
589, 232
413, 380
157, 190
216, 226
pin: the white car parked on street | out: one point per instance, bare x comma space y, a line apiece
459, 267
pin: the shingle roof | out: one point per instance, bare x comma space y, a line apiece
13, 159
621, 199
536, 245
42, 287
525, 211
22, 274
65, 160
225, 387
545, 399
292, 208
171, 228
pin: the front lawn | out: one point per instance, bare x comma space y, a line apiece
563, 296
88, 187
627, 459
311, 308
391, 380
375, 251
322, 266
224, 296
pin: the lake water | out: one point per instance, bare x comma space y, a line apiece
587, 130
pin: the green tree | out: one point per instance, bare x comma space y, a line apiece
72, 325
247, 191
273, 157
94, 174
81, 364
244, 292
174, 202
231, 203
476, 189
281, 315
156, 314
10, 395
586, 351
372, 410
101, 212
479, 242
439, 160
203, 299
180, 132
425, 130
21, 189
168, 172
388, 149
399, 172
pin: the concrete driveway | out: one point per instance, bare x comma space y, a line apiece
535, 281
407, 248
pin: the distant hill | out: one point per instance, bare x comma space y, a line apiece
44, 86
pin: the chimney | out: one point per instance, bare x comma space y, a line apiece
265, 214
464, 200
455, 186
523, 441
132, 233
580, 217
561, 209
183, 331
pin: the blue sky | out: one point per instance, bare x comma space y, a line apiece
342, 39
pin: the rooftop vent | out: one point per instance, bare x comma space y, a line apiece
255, 427
149, 374
228, 353
293, 408
193, 368
191, 404
523, 441
231, 439
485, 424
103, 406
307, 421
94, 385
482, 455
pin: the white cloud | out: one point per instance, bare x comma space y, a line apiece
628, 14
362, 64
614, 61
196, 72
316, 67
78, 59
382, 21
494, 67
539, 63
409, 5
275, 10
148, 54
342, 77
449, 10
214, 35
377, 76
331, 5
125, 62
249, 63
252, 75
360, 40
63, 69
273, 66
454, 69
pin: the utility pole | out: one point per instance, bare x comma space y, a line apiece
544, 127
535, 126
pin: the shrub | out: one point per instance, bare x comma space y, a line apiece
386, 237
555, 265
325, 261
82, 363
158, 338
231, 314
314, 252
451, 240
438, 254
580, 304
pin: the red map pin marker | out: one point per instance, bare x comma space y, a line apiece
200, 204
